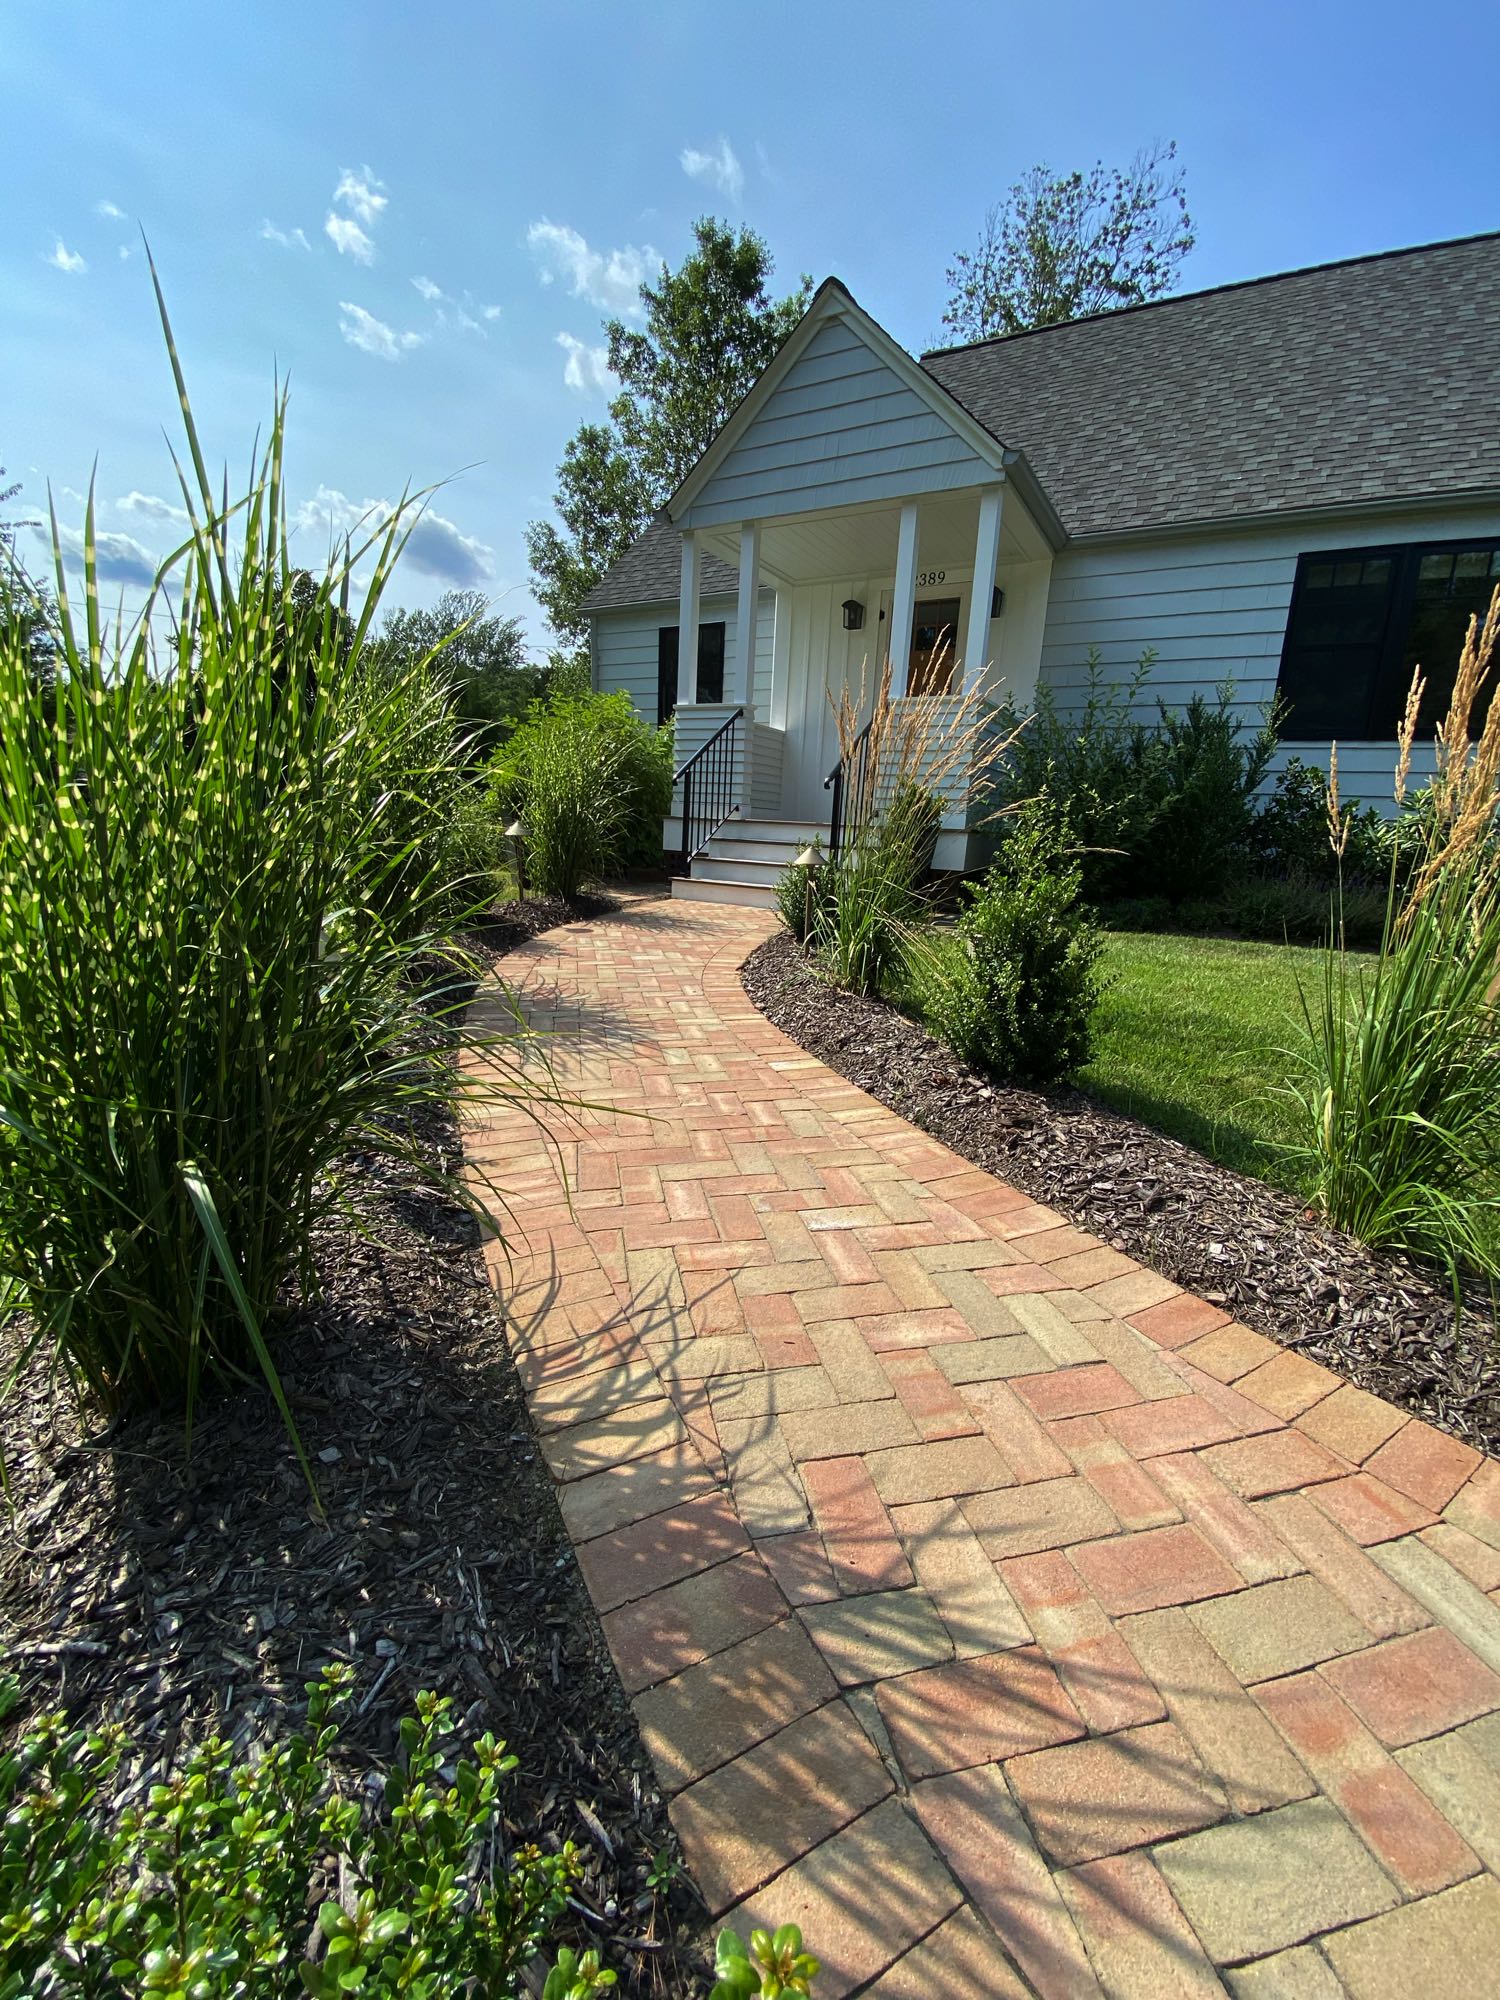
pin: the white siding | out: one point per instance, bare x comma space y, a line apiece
1214, 607
842, 427
624, 649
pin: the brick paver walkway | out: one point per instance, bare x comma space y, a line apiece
1009, 1618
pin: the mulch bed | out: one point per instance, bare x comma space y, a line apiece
1231, 1239
182, 1596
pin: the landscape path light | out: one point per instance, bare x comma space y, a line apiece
808, 861
515, 833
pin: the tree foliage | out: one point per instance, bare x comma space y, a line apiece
1064, 245
484, 660
708, 330
26, 606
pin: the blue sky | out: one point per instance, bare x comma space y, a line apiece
422, 212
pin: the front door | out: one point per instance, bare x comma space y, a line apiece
934, 645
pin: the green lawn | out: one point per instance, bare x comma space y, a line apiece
1186, 1039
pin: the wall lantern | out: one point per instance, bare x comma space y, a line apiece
854, 614
997, 602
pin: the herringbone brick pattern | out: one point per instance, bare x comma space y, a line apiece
1014, 1621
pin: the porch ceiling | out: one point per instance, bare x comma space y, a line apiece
849, 542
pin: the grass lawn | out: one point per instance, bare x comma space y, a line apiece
1185, 1039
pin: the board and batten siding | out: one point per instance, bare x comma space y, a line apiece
1214, 608
624, 649
840, 428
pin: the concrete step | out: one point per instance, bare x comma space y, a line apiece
798, 832
726, 846
712, 867
746, 895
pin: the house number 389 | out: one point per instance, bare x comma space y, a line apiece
926, 576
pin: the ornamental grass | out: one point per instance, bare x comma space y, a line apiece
225, 879
917, 759
1400, 1059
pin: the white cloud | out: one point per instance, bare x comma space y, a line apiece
109, 211
119, 558
288, 239
152, 507
587, 368
348, 238
123, 253
609, 279
361, 193
719, 168
64, 259
436, 546
362, 329
459, 311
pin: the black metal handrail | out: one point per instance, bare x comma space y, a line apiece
849, 781
707, 780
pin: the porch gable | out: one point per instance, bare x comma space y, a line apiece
837, 420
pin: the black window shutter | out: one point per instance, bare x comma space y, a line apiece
666, 673
711, 662
710, 667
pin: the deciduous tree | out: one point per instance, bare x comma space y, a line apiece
708, 329
1063, 245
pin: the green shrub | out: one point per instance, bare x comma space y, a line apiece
590, 783
1013, 987
1163, 808
216, 886
1205, 777
1094, 765
204, 1887
1400, 1059
1289, 838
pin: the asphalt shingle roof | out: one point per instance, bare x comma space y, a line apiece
650, 572
1370, 380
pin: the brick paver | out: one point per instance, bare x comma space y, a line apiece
1012, 1619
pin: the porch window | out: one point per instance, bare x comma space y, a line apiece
1363, 619
710, 667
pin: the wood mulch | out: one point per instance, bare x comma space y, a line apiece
179, 1596
1233, 1240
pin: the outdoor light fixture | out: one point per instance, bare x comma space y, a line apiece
514, 834
809, 861
997, 602
854, 614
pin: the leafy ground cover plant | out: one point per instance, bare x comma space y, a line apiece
590, 783
271, 1876
1400, 1060
224, 858
1012, 989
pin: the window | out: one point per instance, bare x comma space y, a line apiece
1363, 619
710, 667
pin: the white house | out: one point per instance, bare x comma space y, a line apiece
1292, 484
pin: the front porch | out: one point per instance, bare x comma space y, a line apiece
950, 588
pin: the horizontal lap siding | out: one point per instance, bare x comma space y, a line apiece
1214, 608
842, 427
625, 649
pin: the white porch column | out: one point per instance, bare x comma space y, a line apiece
904, 601
746, 615
986, 557
687, 620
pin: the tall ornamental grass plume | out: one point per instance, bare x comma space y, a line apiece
1400, 1058
223, 887
917, 759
